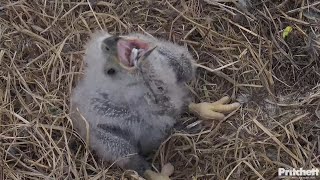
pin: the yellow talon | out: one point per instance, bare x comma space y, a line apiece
167, 170
215, 110
151, 175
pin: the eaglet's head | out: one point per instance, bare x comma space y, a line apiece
117, 54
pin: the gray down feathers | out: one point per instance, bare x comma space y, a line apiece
128, 115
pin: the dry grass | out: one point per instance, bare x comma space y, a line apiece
240, 51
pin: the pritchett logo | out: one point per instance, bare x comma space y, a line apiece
314, 172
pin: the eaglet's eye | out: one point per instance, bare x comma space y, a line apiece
110, 71
160, 88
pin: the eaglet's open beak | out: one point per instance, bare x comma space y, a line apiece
129, 51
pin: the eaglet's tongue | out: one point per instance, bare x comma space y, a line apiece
128, 50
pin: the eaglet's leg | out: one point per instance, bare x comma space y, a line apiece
215, 110
112, 145
115, 143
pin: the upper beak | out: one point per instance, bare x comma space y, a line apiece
146, 54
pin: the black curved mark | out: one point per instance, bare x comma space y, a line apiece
105, 107
117, 131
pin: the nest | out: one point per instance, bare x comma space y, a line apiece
240, 48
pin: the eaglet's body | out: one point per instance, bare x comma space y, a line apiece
130, 104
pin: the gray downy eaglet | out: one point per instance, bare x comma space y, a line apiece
131, 95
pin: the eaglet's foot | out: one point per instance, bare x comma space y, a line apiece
215, 110
166, 171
